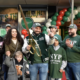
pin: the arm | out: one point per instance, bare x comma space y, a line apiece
49, 40
24, 48
8, 62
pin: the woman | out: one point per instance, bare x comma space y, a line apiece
13, 42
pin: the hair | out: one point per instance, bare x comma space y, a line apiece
9, 36
57, 30
18, 53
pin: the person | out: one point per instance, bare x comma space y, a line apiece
13, 42
71, 43
17, 66
54, 30
36, 62
4, 67
57, 59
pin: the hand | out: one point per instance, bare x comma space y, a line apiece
61, 70
27, 72
8, 53
51, 34
68, 43
28, 47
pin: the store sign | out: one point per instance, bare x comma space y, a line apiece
4, 17
2, 32
35, 14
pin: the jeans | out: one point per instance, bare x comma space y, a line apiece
73, 71
41, 67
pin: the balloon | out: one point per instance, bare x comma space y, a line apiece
71, 16
53, 23
54, 18
70, 10
65, 18
75, 17
57, 27
56, 14
78, 8
68, 19
65, 9
75, 12
67, 13
26, 35
78, 15
24, 31
48, 24
44, 28
45, 32
62, 22
49, 20
61, 12
58, 23
59, 17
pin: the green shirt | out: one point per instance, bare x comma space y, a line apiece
73, 54
55, 61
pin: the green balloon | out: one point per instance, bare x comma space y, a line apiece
62, 22
75, 17
45, 32
44, 28
78, 15
67, 13
65, 18
56, 14
53, 23
54, 18
69, 9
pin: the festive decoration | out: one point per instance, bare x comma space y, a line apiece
58, 23
78, 15
56, 14
71, 16
24, 32
45, 32
68, 19
57, 27
54, 18
67, 13
48, 24
65, 9
61, 13
59, 17
44, 28
49, 20
65, 18
62, 22
53, 23
75, 11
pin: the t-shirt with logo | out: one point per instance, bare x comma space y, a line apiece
73, 54
55, 61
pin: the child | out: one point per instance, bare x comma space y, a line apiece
17, 67
57, 59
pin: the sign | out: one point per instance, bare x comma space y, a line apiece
2, 32
29, 23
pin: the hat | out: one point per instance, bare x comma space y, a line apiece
73, 26
36, 25
53, 26
8, 25
58, 37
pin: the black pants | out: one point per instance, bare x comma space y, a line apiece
20, 78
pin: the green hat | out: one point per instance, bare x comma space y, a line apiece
36, 25
53, 26
8, 25
57, 37
73, 26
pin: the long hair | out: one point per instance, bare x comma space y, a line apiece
9, 37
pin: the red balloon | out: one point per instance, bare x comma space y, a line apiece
59, 18
24, 32
57, 27
65, 9
61, 13
58, 23
26, 35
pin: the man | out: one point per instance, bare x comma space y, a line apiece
39, 63
72, 45
5, 68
